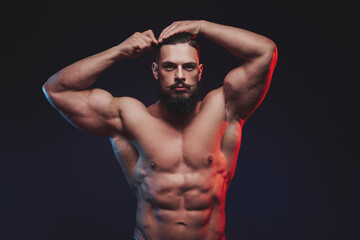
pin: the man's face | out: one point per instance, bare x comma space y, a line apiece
178, 72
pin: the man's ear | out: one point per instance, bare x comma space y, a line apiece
201, 67
155, 71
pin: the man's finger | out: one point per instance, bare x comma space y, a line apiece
164, 31
151, 35
174, 28
171, 32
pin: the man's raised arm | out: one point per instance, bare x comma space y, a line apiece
245, 86
93, 110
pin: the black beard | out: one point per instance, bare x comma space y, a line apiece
179, 104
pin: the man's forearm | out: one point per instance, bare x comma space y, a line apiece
83, 73
241, 43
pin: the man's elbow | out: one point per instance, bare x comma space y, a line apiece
47, 93
274, 56
271, 53
51, 89
268, 56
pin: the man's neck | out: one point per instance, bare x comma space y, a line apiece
177, 120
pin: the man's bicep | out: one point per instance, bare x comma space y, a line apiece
246, 86
94, 111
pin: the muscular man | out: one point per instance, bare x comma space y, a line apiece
178, 154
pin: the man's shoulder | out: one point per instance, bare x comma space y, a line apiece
128, 102
213, 104
214, 98
129, 105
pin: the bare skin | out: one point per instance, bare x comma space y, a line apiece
179, 166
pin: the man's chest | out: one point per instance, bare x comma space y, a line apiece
158, 139
160, 147
154, 145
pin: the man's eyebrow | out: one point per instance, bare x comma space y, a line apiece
187, 63
193, 64
167, 62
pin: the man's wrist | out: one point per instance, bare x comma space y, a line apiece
202, 26
118, 53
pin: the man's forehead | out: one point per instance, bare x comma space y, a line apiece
182, 52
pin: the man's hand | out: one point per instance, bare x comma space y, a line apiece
138, 44
192, 27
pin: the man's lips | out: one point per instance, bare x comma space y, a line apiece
178, 88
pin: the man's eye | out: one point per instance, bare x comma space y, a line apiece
169, 67
189, 68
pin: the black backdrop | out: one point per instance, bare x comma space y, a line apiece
297, 174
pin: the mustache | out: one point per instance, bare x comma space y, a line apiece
175, 85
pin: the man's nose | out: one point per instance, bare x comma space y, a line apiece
179, 74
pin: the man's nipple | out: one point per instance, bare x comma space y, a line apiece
153, 165
210, 159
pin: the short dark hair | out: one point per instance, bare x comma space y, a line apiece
176, 39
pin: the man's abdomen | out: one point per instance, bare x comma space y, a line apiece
187, 205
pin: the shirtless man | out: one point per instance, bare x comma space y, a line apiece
179, 154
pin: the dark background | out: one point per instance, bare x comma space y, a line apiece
298, 168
